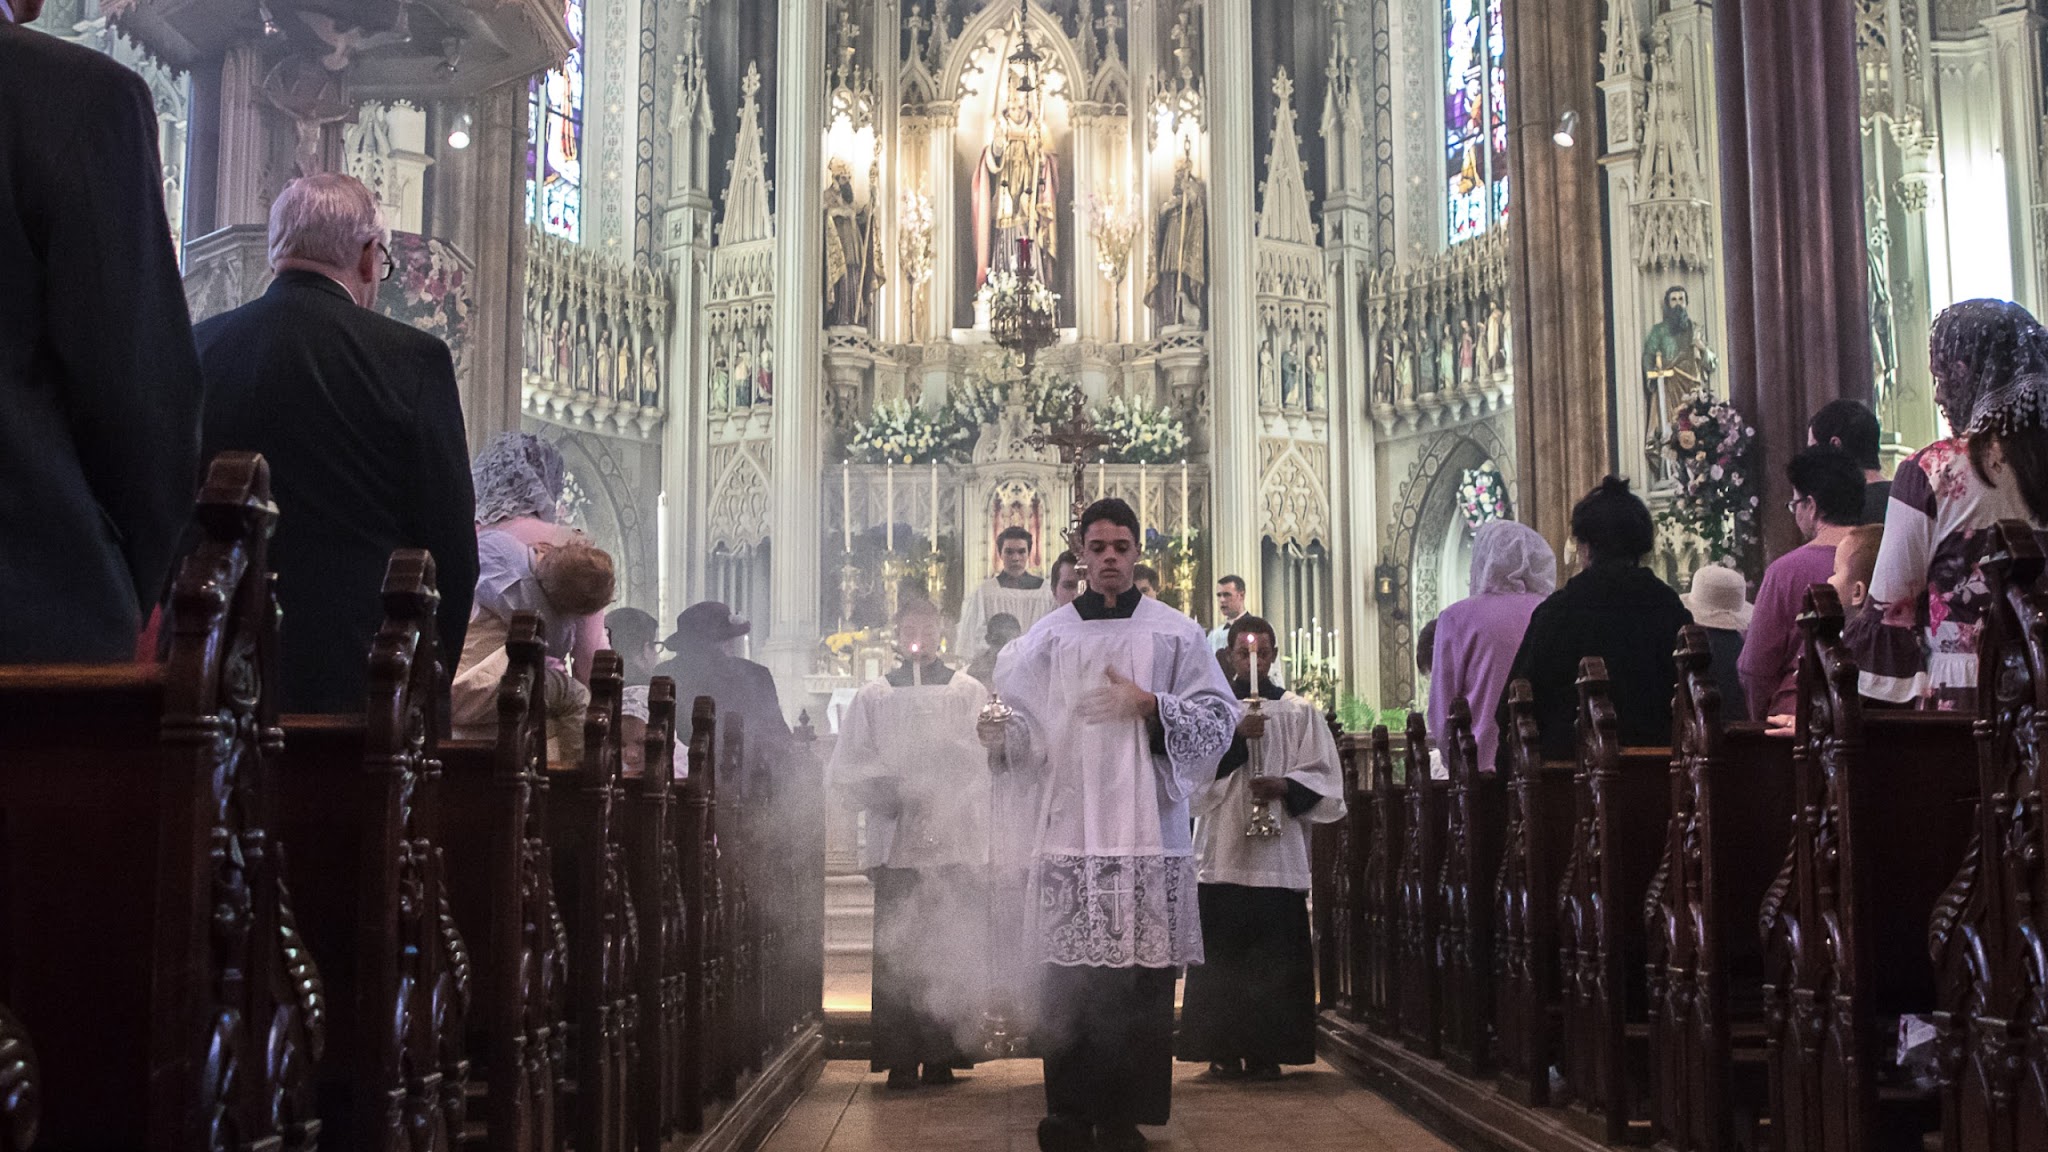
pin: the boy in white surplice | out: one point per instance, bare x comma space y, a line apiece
907, 754
1120, 714
1250, 1006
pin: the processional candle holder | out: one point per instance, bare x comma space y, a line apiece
1000, 1039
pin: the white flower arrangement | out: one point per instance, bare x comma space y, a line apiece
1140, 433
900, 432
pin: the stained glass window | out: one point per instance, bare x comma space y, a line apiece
1475, 117
554, 126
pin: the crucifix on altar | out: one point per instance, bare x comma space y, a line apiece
1078, 439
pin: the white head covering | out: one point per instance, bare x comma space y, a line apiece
1510, 558
1719, 599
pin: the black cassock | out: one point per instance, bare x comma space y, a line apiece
1254, 999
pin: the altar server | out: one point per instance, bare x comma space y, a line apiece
907, 754
1250, 1005
1120, 712
1013, 591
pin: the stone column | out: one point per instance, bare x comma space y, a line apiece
2016, 64
799, 319
1792, 214
1233, 319
686, 247
1556, 262
491, 399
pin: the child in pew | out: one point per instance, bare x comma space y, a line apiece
563, 583
1855, 562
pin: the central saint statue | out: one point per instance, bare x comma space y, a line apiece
1016, 192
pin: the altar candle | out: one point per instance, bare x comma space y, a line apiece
916, 669
1102, 480
1184, 504
846, 506
889, 506
935, 506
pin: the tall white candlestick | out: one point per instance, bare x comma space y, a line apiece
935, 505
1102, 480
889, 506
846, 506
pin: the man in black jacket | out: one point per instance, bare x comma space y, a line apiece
359, 418
99, 384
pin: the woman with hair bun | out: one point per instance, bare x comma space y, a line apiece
1915, 640
1615, 609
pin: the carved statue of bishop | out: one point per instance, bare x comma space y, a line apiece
1016, 193
853, 268
1179, 291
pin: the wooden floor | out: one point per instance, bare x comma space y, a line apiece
997, 1106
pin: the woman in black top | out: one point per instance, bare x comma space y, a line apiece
1615, 609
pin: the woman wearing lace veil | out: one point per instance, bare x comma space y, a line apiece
1513, 570
1916, 638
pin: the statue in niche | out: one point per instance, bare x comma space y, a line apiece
721, 385
584, 379
1290, 373
650, 377
743, 381
1676, 363
1016, 192
1179, 292
1267, 390
1468, 353
1495, 346
1318, 378
606, 385
852, 266
1884, 343
622, 378
1404, 371
1446, 361
764, 380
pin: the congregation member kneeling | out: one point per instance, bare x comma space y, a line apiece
1250, 1006
908, 755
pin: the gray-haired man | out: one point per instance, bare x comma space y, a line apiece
359, 417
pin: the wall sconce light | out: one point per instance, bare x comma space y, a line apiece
458, 136
1567, 133
1386, 586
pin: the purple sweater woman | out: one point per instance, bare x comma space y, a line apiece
1513, 570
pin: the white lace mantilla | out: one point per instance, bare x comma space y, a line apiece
1118, 911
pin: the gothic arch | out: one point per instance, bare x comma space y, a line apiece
1046, 33
610, 514
738, 511
1427, 502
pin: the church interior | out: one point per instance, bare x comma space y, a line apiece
819, 301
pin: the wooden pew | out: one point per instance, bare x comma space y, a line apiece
1987, 930
1622, 806
1730, 811
502, 894
357, 807
147, 938
585, 830
1338, 849
1535, 846
1883, 818
1416, 905
1475, 812
693, 834
1382, 999
657, 883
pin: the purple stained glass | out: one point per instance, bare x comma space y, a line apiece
1475, 117
554, 188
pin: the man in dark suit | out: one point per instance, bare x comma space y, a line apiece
99, 384
705, 664
359, 417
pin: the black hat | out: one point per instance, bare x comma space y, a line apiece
705, 624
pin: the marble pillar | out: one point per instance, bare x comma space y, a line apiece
1792, 213
1233, 318
1556, 263
799, 279
491, 396
2016, 62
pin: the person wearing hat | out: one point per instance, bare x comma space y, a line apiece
1827, 501
1719, 603
705, 664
